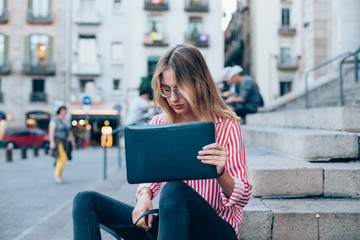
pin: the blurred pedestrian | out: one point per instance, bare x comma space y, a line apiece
245, 97
224, 84
139, 106
60, 135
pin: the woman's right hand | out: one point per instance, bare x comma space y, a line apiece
143, 204
52, 145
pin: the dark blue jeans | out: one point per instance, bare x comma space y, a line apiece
184, 214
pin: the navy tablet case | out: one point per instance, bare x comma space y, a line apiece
168, 152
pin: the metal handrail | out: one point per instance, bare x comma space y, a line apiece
316, 68
356, 75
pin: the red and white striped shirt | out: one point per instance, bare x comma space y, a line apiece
230, 209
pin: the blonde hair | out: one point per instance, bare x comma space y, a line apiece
194, 82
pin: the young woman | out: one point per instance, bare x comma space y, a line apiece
196, 209
59, 135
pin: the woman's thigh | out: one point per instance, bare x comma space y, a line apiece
205, 223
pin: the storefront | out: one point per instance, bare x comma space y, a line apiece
87, 126
38, 119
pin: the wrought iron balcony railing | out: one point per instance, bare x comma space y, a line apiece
200, 40
38, 97
158, 5
288, 64
197, 6
39, 69
287, 30
39, 19
5, 68
155, 39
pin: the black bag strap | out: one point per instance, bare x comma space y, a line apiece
149, 237
152, 211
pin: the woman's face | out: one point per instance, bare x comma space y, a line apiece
176, 101
63, 112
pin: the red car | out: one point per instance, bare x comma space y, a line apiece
25, 137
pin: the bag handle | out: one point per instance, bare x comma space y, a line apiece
152, 211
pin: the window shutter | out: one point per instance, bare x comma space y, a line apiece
49, 52
27, 49
6, 47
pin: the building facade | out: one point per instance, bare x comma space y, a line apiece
33, 59
280, 40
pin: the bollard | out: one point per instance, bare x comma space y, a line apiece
46, 149
9, 152
23, 153
36, 151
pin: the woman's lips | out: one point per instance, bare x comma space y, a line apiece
179, 106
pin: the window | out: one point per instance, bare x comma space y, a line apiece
285, 87
3, 50
285, 56
40, 8
117, 4
38, 133
285, 17
3, 11
87, 49
155, 31
85, 84
196, 33
116, 51
152, 61
39, 11
38, 91
38, 85
39, 49
116, 84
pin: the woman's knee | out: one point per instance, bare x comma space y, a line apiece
82, 199
173, 193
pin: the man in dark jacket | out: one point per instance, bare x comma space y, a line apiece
246, 97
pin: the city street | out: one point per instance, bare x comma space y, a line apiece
33, 206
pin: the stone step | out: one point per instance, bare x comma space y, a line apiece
333, 118
301, 219
272, 175
303, 144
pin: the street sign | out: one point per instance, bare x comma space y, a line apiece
87, 100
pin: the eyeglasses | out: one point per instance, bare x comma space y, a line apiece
166, 92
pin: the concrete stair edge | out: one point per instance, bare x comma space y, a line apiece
301, 219
328, 118
304, 144
273, 175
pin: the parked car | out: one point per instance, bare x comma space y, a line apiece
25, 137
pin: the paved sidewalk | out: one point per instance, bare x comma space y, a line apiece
32, 206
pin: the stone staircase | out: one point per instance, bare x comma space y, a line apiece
305, 170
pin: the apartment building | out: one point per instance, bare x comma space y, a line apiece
32, 59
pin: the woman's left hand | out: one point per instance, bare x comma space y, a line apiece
214, 154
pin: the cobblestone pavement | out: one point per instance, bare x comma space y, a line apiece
33, 206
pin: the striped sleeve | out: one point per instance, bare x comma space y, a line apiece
155, 187
236, 167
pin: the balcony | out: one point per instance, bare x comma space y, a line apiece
156, 5
155, 39
288, 64
197, 6
38, 97
4, 17
87, 18
39, 19
5, 68
86, 69
1, 97
200, 40
44, 69
287, 30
